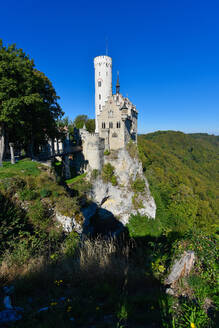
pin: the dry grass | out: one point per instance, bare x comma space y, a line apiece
92, 259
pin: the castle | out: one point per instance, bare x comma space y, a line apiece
115, 117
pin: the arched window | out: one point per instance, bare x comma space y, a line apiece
103, 125
99, 97
110, 125
99, 83
99, 106
118, 125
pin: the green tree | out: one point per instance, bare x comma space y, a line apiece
28, 101
80, 121
90, 125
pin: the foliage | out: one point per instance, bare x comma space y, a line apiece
71, 244
108, 174
45, 193
27, 99
39, 215
192, 316
132, 149
27, 194
138, 185
94, 174
137, 201
106, 152
12, 220
76, 179
141, 226
182, 170
82, 120
67, 206
206, 250
90, 125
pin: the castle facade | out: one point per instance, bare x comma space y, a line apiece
115, 117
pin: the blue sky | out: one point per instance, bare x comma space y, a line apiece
167, 53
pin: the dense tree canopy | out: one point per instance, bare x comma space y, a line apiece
82, 120
183, 174
28, 101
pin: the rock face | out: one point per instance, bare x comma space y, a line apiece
181, 268
70, 223
119, 199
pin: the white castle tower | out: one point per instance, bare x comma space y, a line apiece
103, 83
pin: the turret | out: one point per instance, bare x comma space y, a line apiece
103, 83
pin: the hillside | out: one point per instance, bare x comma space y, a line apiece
63, 280
183, 172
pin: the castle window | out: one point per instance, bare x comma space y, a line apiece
110, 125
114, 135
103, 125
118, 125
99, 96
110, 113
99, 83
99, 106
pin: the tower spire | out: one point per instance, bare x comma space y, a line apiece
117, 83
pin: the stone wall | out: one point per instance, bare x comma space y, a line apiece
93, 150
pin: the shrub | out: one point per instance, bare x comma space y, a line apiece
132, 149
138, 185
12, 221
140, 226
28, 194
38, 215
107, 152
45, 193
137, 203
12, 185
94, 174
114, 180
67, 206
108, 174
71, 243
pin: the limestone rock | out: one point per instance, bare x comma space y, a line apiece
181, 268
71, 223
119, 199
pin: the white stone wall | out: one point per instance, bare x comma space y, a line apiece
103, 83
112, 115
93, 150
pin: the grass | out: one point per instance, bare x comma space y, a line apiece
20, 169
75, 179
90, 286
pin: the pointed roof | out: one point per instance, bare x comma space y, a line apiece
117, 83
124, 106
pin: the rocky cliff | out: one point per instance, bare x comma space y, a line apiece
125, 198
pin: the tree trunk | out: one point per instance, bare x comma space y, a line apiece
2, 142
11, 145
31, 147
53, 148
